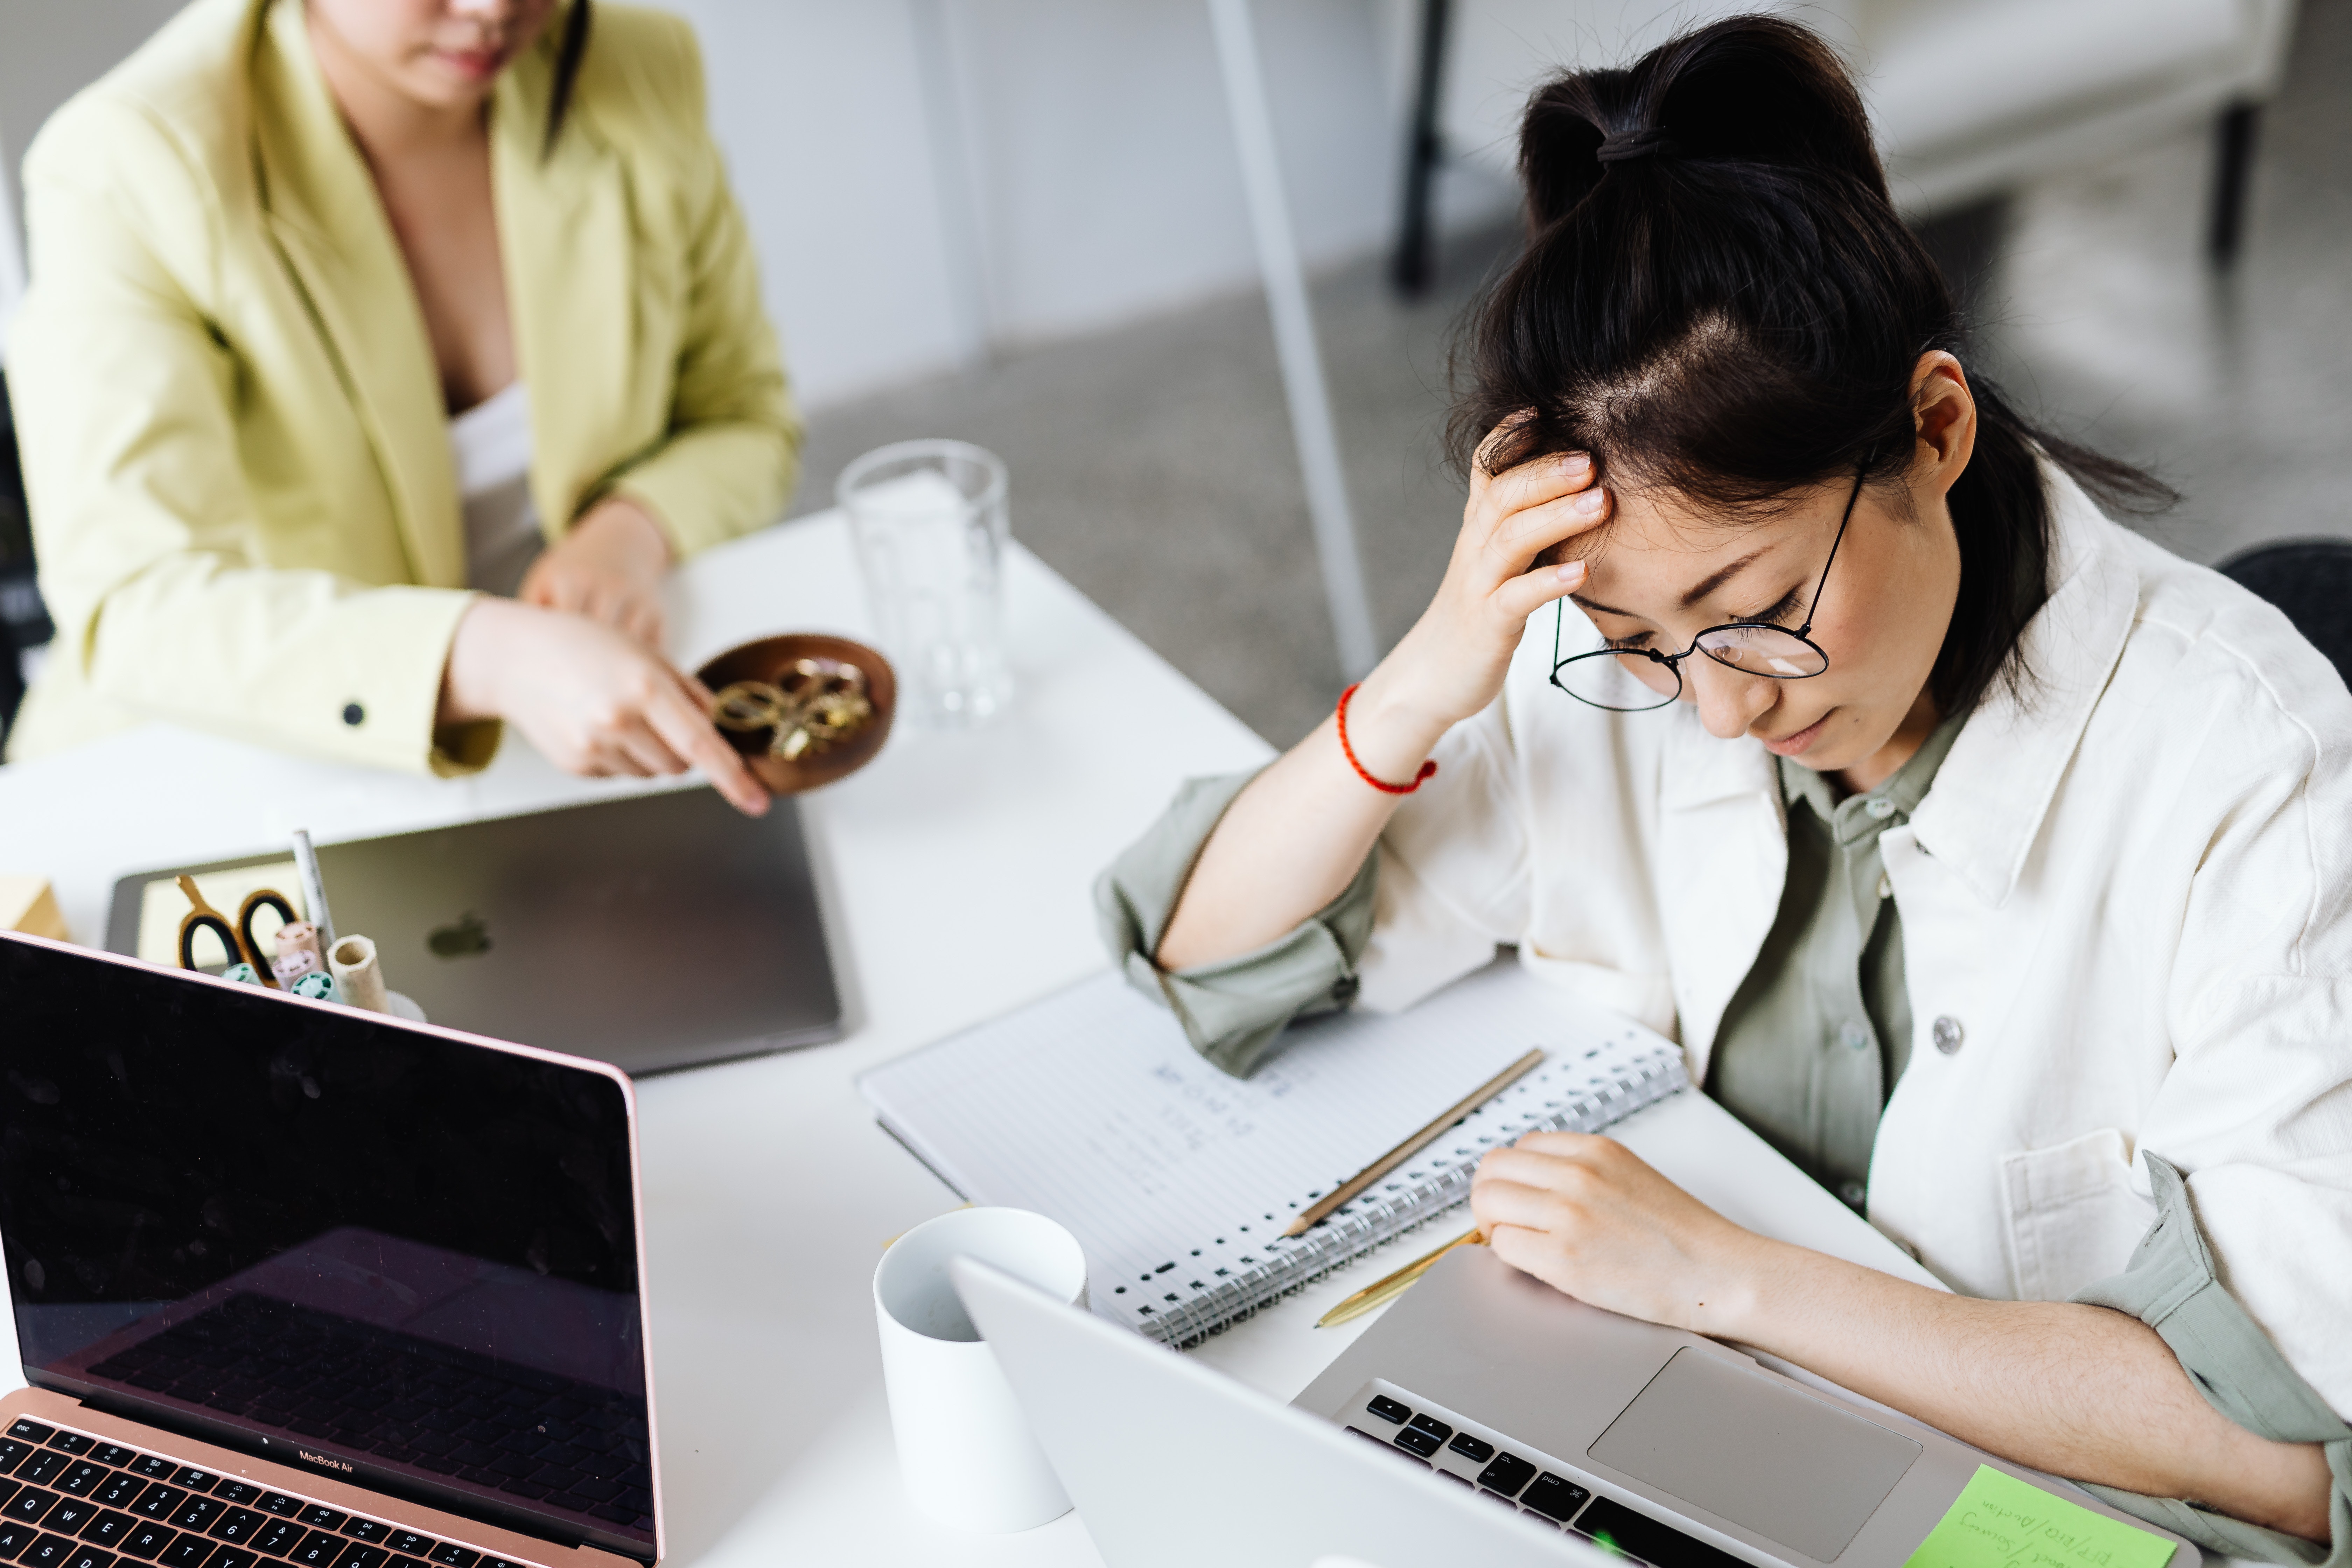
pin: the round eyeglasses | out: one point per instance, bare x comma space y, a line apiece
1637, 680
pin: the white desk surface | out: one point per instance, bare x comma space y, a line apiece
955, 871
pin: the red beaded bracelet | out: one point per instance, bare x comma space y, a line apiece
1427, 767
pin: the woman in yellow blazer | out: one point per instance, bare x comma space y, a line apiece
274, 253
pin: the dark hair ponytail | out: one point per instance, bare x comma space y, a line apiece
568, 52
1718, 298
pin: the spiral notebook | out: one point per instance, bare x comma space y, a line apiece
1091, 1108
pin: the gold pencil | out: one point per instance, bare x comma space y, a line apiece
1414, 1144
1385, 1290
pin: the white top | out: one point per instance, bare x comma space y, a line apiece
2126, 908
491, 443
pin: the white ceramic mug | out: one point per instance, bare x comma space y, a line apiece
965, 1452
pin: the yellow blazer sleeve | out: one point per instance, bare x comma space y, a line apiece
151, 555
733, 454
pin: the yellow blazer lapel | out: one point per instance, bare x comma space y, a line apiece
568, 245
330, 226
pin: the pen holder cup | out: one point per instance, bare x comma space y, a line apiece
773, 659
965, 1452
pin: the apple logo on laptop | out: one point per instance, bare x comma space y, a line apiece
467, 936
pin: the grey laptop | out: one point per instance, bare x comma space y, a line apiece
1486, 1418
1673, 1449
652, 931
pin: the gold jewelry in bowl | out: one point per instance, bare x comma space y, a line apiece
813, 706
837, 697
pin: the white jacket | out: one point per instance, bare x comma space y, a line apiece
2127, 903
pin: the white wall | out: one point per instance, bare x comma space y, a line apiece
1107, 175
819, 108
1049, 167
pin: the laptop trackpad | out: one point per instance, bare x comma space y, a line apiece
1754, 1451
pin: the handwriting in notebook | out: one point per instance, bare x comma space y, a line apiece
1091, 1108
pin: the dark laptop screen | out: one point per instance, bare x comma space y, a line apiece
300, 1230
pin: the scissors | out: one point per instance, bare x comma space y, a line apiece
237, 940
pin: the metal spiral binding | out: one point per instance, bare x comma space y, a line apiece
1367, 1222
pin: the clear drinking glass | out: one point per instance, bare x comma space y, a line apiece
930, 521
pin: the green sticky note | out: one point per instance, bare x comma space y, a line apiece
1999, 1521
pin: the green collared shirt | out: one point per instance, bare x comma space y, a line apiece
1817, 1034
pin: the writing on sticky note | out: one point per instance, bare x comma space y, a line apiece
1999, 1521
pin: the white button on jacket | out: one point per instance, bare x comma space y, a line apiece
2127, 923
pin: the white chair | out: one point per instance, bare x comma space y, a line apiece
1975, 97
1970, 98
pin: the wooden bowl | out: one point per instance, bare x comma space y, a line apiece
767, 660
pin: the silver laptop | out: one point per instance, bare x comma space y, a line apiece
1174, 1464
1486, 1418
297, 1286
1670, 1448
653, 931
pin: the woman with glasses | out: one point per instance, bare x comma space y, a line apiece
1789, 692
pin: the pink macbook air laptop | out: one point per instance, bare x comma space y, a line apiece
299, 1285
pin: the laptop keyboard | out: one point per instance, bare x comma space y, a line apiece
1444, 1442
365, 1389
71, 1500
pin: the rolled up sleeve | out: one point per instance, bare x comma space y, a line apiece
1233, 1010
2171, 1285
